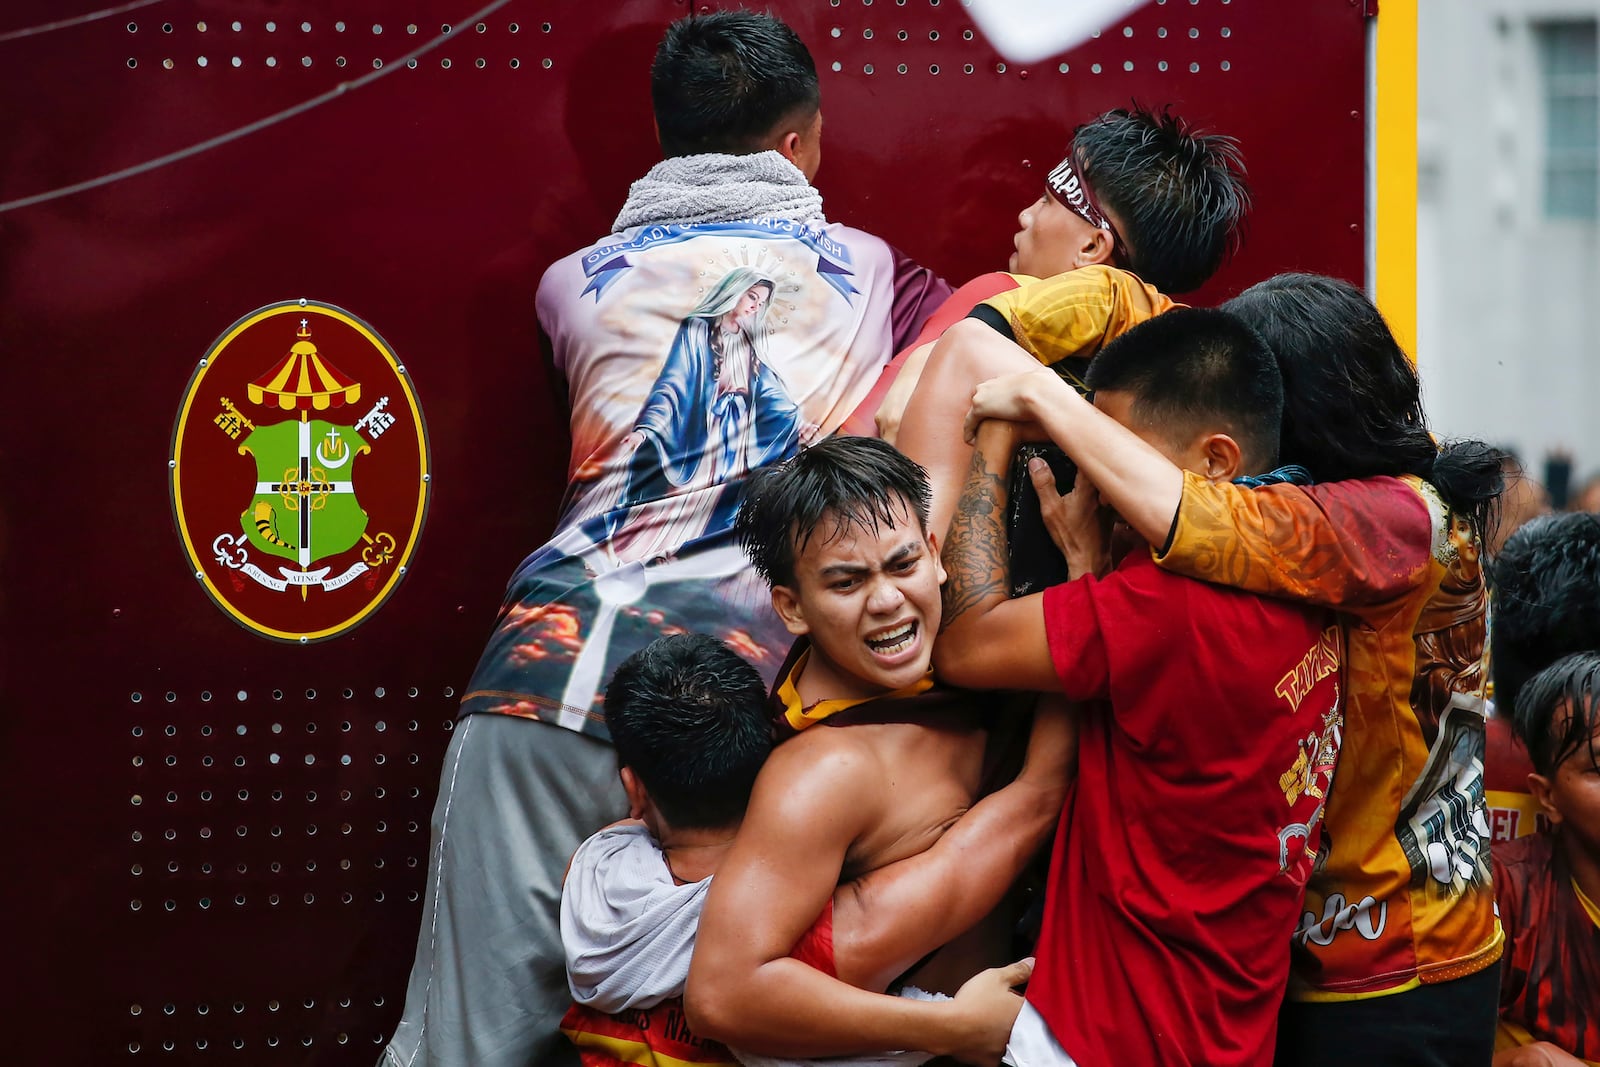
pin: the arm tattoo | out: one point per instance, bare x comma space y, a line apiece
975, 555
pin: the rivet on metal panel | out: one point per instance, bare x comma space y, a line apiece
516, 64
305, 27
171, 905
137, 837
166, 27
134, 905
236, 61
445, 28
311, 796
449, 691
1127, 64
903, 35
133, 27
305, 61
348, 693
1000, 68
136, 800
1226, 32
901, 69
1161, 32
867, 34
546, 63
1094, 68
169, 64
1225, 65
1063, 68
1194, 68
513, 27
1194, 32
339, 61
402, 570
136, 697
545, 27
1161, 65
138, 761
933, 68
272, 61
338, 27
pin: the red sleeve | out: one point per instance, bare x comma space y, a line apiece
1085, 619
1507, 903
918, 293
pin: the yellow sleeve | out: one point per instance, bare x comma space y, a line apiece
1075, 314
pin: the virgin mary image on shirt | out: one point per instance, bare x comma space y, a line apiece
717, 411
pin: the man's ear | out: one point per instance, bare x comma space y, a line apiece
786, 602
1221, 456
1099, 248
933, 546
1544, 796
789, 146
638, 798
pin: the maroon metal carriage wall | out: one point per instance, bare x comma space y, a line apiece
217, 833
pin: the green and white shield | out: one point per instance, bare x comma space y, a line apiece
304, 508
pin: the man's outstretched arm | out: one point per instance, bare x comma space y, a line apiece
988, 641
744, 989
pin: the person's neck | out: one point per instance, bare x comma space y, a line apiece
1584, 865
693, 855
820, 679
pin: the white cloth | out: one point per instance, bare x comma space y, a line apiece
627, 928
1032, 1044
628, 931
720, 188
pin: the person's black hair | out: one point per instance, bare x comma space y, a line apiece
844, 481
1546, 600
1194, 370
689, 717
1178, 194
1352, 402
1573, 683
724, 81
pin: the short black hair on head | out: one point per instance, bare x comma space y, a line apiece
1352, 402
723, 81
1196, 370
1179, 194
1571, 683
1546, 583
844, 481
689, 716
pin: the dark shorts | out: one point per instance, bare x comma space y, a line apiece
1451, 1024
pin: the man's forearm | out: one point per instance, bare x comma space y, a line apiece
1139, 483
788, 1008
974, 556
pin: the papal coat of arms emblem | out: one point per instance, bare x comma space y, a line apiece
299, 471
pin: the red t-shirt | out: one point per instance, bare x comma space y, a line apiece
1550, 973
1179, 871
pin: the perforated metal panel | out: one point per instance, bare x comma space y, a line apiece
217, 843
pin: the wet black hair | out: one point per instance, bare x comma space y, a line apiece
1178, 194
1193, 370
689, 716
844, 481
724, 81
1546, 600
1572, 682
1352, 402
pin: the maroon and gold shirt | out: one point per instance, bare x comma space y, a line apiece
1550, 977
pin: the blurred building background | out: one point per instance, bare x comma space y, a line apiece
1508, 226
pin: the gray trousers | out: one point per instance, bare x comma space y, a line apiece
489, 984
